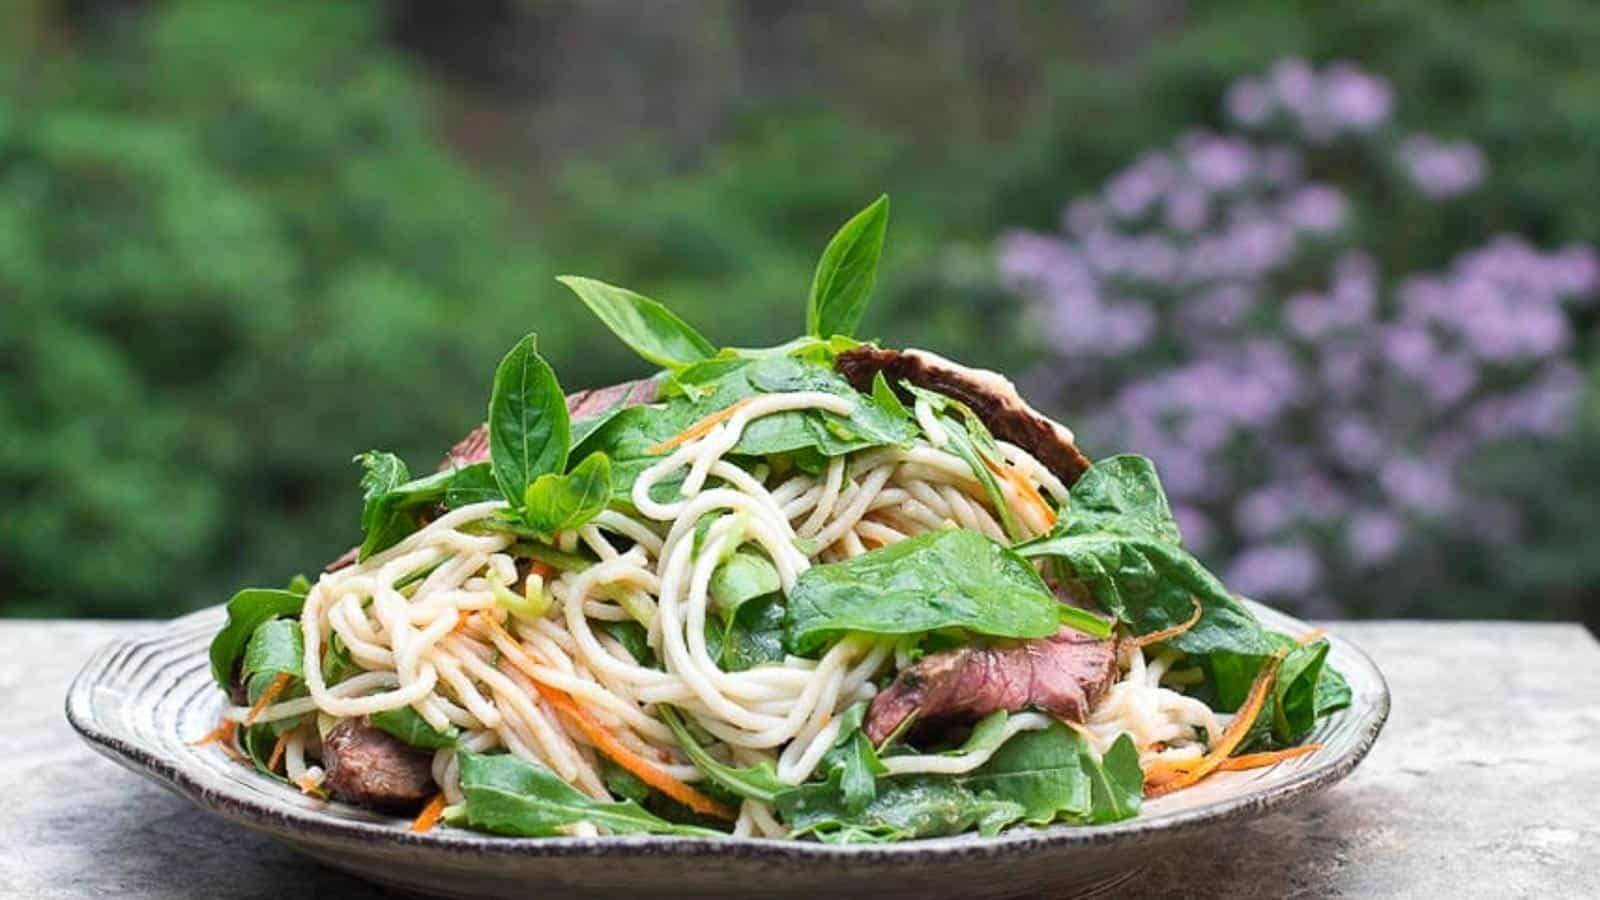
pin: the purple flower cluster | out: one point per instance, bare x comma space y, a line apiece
1306, 410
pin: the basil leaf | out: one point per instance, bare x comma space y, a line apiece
528, 427
934, 580
646, 326
473, 484
408, 725
556, 502
508, 795
759, 782
846, 273
246, 611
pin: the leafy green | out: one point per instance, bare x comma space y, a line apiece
508, 795
472, 484
1116, 542
759, 782
1054, 774
528, 427
646, 326
854, 762
337, 664
934, 580
408, 725
588, 425
381, 473
845, 274
276, 648
558, 502
751, 637
246, 611
632, 637
1333, 692
970, 440
621, 782
744, 576
902, 809
887, 399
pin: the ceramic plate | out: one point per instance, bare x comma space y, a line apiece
141, 702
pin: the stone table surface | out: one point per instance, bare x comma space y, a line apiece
1486, 783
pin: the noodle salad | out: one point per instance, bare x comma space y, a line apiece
825, 590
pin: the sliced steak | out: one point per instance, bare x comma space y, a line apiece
991, 396
375, 769
1064, 675
474, 448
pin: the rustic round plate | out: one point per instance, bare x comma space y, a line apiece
142, 701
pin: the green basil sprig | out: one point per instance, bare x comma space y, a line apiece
846, 273
645, 325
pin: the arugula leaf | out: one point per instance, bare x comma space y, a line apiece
845, 274
759, 782
854, 761
556, 502
528, 427
934, 580
646, 326
246, 611
408, 725
621, 782
508, 795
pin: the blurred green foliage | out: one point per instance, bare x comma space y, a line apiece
237, 247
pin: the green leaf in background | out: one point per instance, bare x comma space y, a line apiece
246, 611
846, 273
408, 725
645, 325
556, 502
508, 795
759, 782
528, 427
934, 580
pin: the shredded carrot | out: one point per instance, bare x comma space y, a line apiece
541, 568
308, 785
1029, 494
602, 737
1167, 634
701, 427
1262, 760
1312, 635
277, 752
1231, 737
430, 814
223, 732
267, 696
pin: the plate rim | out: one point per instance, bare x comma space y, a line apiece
289, 822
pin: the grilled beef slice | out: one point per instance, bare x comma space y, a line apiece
375, 769
1064, 675
990, 395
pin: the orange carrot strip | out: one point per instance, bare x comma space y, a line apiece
277, 752
267, 696
1232, 736
1030, 495
1262, 760
1312, 635
430, 814
701, 427
602, 737
223, 732
1167, 634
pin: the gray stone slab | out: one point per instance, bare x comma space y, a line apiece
1484, 784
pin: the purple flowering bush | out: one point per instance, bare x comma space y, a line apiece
1217, 306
